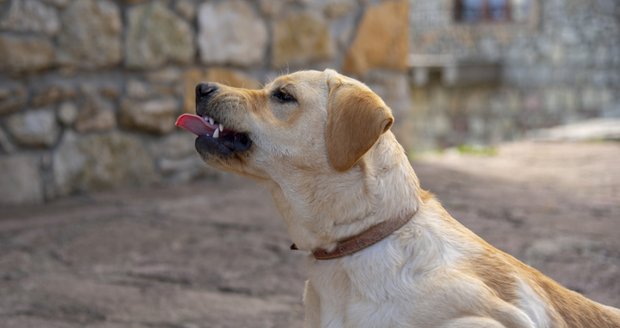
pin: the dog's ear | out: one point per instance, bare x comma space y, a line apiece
356, 118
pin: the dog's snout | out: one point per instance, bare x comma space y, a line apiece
205, 90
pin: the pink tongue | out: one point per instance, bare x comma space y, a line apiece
195, 124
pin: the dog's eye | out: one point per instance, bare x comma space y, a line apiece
282, 96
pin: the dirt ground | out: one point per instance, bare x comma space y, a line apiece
215, 254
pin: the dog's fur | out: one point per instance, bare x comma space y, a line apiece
334, 170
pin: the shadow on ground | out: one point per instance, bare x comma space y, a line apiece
215, 254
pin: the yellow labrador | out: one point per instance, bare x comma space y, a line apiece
382, 251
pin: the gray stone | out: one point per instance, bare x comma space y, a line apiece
154, 116
166, 75
67, 113
171, 166
57, 3
25, 53
36, 128
30, 16
101, 161
156, 35
184, 169
231, 33
6, 146
12, 97
593, 99
91, 35
68, 165
139, 89
21, 180
96, 115
52, 92
106, 88
174, 146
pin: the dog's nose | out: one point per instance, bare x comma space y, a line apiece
205, 90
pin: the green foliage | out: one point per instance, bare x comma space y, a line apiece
477, 150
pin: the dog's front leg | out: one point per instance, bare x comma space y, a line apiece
312, 307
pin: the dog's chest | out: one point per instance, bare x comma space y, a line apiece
344, 307
343, 297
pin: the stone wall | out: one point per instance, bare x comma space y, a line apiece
89, 90
559, 63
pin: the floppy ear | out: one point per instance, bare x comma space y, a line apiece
356, 118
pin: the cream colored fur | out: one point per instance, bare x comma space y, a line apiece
433, 272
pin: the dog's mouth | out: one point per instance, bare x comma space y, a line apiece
213, 137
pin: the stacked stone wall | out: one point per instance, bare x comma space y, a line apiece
90, 89
559, 64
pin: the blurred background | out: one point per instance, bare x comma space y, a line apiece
509, 109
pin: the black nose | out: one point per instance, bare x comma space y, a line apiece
205, 90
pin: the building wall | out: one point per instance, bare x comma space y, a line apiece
89, 90
559, 63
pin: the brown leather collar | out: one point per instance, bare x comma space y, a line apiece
362, 240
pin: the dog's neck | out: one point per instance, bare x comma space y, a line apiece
323, 209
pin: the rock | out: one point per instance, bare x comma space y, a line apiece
12, 97
67, 113
171, 166
51, 93
138, 89
156, 35
30, 16
231, 32
186, 8
23, 184
91, 34
25, 53
339, 8
6, 146
108, 89
101, 161
57, 3
301, 38
382, 39
36, 128
174, 146
154, 116
96, 115
166, 75
222, 75
272, 8
68, 165
185, 169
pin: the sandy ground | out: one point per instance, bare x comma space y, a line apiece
215, 254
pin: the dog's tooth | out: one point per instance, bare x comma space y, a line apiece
211, 120
221, 127
216, 133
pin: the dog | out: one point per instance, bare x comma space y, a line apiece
382, 251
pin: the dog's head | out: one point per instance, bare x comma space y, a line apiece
308, 120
